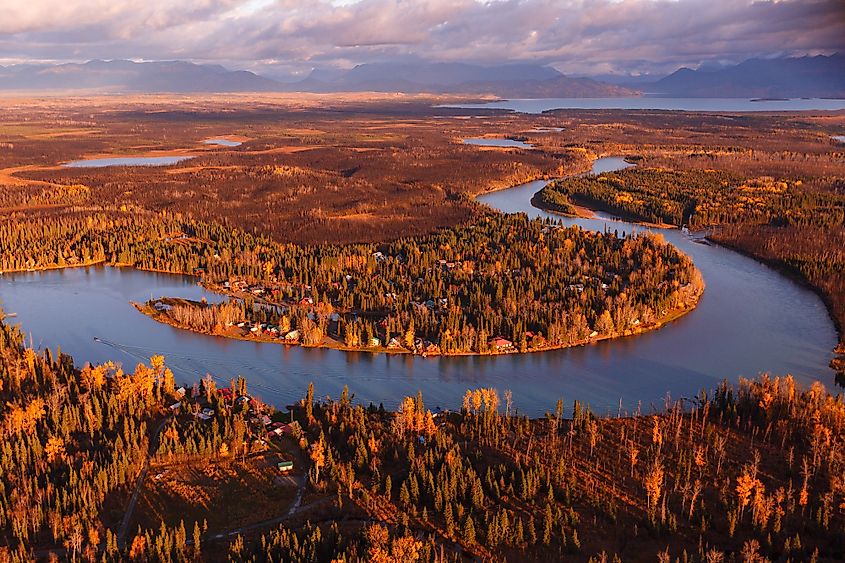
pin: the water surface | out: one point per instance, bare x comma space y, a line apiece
658, 103
483, 142
126, 161
223, 142
751, 319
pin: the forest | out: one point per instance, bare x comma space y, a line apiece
751, 472
530, 282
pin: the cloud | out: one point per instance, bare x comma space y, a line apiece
577, 36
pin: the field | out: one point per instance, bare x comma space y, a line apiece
225, 494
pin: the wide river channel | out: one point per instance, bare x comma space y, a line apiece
750, 320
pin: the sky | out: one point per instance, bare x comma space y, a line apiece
288, 38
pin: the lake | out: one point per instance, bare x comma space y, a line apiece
126, 161
482, 142
658, 103
751, 319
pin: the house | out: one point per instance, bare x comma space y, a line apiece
226, 393
431, 348
265, 420
203, 416
306, 301
285, 466
379, 256
175, 407
374, 342
499, 343
292, 337
594, 334
394, 343
180, 392
162, 307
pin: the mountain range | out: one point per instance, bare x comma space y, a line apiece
510, 80
796, 77
818, 76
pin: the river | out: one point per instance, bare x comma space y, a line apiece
751, 319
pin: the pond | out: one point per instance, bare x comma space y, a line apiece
223, 142
751, 319
126, 161
483, 142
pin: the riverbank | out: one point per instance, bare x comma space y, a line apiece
587, 210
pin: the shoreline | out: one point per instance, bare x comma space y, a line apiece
331, 344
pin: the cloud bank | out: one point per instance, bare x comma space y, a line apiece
292, 36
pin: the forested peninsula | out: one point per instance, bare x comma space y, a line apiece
500, 284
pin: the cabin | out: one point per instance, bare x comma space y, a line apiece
175, 408
180, 392
292, 337
375, 342
285, 466
499, 343
162, 307
431, 348
394, 343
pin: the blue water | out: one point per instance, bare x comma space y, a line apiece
482, 142
658, 103
127, 161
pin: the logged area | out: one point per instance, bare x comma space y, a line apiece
752, 471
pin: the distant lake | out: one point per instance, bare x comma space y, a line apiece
479, 142
222, 142
126, 161
658, 103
